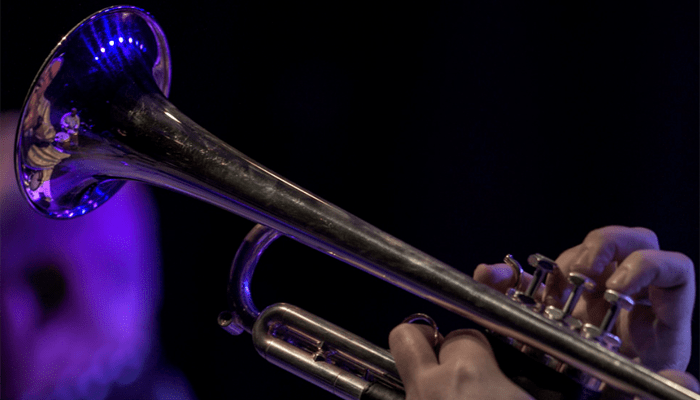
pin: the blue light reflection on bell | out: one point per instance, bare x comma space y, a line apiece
61, 169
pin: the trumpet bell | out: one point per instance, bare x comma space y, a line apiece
94, 70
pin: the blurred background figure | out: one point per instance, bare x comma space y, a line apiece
80, 298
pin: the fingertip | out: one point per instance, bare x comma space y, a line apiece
482, 273
399, 335
497, 276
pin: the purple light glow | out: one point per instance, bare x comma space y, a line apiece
101, 330
90, 323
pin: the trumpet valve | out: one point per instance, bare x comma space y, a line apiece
543, 266
618, 302
567, 320
603, 333
580, 283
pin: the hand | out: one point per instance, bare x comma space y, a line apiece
463, 367
657, 331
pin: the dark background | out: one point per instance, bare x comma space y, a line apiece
467, 129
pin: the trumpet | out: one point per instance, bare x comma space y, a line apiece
115, 68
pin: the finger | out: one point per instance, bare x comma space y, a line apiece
662, 269
667, 277
596, 257
498, 276
605, 245
469, 363
411, 347
501, 277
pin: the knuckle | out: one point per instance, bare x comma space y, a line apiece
464, 371
407, 336
686, 262
685, 266
612, 236
596, 237
649, 236
640, 259
691, 271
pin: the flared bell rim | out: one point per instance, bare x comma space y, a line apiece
162, 79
